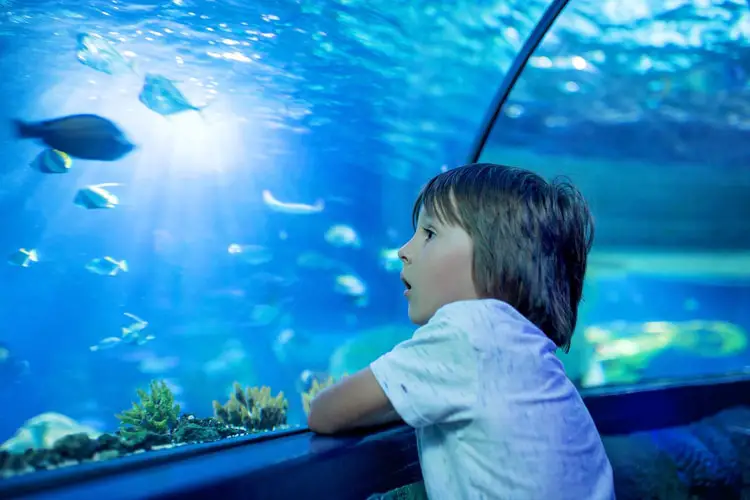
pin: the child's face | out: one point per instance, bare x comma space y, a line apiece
437, 266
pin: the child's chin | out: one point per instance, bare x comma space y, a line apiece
415, 316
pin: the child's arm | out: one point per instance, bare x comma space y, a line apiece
431, 378
356, 401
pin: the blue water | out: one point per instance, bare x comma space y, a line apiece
355, 103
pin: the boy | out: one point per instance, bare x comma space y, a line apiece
493, 275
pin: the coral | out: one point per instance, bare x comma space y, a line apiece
152, 424
156, 414
317, 387
253, 409
42, 431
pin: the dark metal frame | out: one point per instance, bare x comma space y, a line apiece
509, 81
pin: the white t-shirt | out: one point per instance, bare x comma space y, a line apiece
495, 415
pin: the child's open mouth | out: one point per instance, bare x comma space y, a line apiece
406, 284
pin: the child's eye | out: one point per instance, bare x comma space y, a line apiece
430, 233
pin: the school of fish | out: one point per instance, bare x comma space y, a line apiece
95, 138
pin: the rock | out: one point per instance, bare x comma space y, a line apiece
194, 433
146, 441
110, 442
202, 430
77, 447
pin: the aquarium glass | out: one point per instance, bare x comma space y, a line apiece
229, 210
645, 105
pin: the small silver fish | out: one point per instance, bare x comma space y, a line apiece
106, 343
95, 196
160, 95
352, 286
98, 54
390, 260
291, 208
255, 255
137, 338
341, 235
306, 379
131, 335
137, 323
23, 257
107, 266
52, 161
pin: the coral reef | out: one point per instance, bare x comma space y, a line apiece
253, 409
52, 440
156, 414
624, 352
316, 387
43, 431
310, 394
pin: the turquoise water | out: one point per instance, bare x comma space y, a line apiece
343, 109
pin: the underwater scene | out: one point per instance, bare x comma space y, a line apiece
203, 200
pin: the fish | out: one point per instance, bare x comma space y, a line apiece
291, 208
94, 51
95, 196
136, 338
131, 335
341, 235
307, 379
136, 326
12, 368
254, 255
352, 286
389, 260
262, 314
319, 262
160, 95
23, 257
86, 136
106, 343
107, 266
52, 161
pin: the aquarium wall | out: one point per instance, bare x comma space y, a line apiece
242, 222
644, 106
233, 248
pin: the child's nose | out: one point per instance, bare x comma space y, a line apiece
403, 255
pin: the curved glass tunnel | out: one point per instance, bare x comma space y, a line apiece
258, 235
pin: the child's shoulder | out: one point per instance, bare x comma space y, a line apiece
482, 319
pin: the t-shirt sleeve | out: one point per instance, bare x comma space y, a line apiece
432, 377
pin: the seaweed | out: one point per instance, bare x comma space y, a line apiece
157, 414
253, 409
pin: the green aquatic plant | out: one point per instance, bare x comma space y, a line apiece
157, 413
253, 409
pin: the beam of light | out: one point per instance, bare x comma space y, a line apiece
173, 182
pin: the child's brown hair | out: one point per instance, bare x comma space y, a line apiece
531, 239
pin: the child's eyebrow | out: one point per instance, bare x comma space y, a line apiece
426, 220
